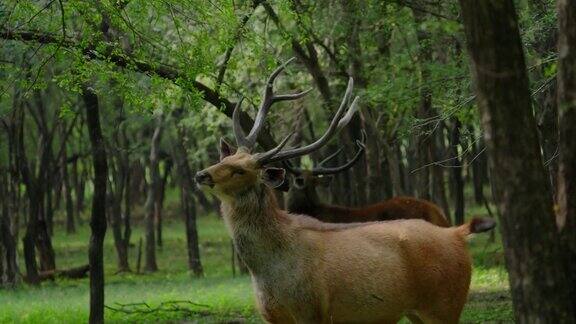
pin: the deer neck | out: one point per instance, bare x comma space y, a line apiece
305, 201
257, 226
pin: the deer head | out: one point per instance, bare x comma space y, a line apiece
303, 197
241, 169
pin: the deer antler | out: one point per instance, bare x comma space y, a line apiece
339, 121
276, 154
321, 170
268, 100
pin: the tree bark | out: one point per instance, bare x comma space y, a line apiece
394, 165
437, 153
120, 192
188, 204
70, 221
425, 138
522, 191
546, 100
160, 200
567, 160
456, 168
150, 264
8, 247
476, 163
98, 217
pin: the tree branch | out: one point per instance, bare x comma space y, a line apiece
125, 60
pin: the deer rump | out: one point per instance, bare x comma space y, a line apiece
368, 272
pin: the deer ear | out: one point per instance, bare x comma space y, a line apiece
225, 149
325, 180
274, 177
285, 186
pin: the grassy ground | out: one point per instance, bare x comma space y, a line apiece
220, 296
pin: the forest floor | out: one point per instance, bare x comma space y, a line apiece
173, 295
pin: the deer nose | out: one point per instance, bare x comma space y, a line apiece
204, 178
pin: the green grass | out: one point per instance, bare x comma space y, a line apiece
226, 298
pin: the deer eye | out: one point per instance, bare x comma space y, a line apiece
238, 172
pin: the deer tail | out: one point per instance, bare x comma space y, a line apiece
477, 225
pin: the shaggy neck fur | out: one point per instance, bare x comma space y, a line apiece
304, 201
256, 225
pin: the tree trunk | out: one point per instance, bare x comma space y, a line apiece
8, 247
437, 152
425, 137
150, 264
456, 168
49, 209
98, 217
363, 184
394, 165
79, 186
160, 200
29, 239
70, 221
120, 222
534, 259
187, 189
567, 160
476, 164
546, 106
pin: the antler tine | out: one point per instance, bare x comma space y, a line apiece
262, 158
361, 148
292, 96
268, 99
241, 140
330, 157
334, 126
292, 169
351, 111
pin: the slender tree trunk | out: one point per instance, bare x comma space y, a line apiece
70, 221
567, 160
477, 173
127, 212
456, 168
546, 106
194, 262
29, 239
187, 189
8, 248
394, 165
98, 218
410, 178
425, 138
160, 200
438, 177
150, 264
534, 257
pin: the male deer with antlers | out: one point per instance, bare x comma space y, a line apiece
303, 198
306, 271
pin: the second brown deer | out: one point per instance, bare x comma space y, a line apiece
306, 271
303, 198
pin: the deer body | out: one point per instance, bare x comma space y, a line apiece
303, 199
305, 271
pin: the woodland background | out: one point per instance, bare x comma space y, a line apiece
108, 108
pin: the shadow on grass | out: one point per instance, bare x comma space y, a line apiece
488, 306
